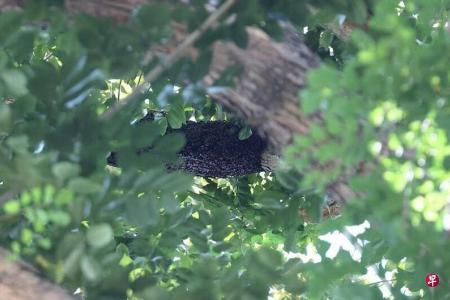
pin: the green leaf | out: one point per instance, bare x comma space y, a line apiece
245, 133
63, 197
374, 252
154, 292
18, 143
269, 199
326, 37
143, 211
310, 103
99, 236
26, 236
5, 118
359, 12
176, 116
171, 143
90, 268
162, 123
12, 207
125, 260
221, 219
72, 262
59, 217
84, 186
289, 179
269, 257
15, 82
65, 170
313, 207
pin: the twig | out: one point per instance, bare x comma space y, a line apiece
381, 281
139, 80
171, 59
118, 93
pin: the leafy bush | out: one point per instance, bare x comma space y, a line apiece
142, 232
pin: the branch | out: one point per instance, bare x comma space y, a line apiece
171, 59
19, 281
265, 94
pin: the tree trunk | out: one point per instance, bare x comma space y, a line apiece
265, 94
19, 281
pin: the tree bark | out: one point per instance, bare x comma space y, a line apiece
265, 94
19, 281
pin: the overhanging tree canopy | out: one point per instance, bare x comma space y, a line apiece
369, 126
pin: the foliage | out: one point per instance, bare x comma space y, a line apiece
145, 233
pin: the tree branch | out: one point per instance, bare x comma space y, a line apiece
19, 281
171, 59
265, 94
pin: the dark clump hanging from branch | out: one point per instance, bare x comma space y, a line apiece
266, 93
213, 149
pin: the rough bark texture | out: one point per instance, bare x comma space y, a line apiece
265, 95
20, 282
118, 9
6, 5
266, 92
